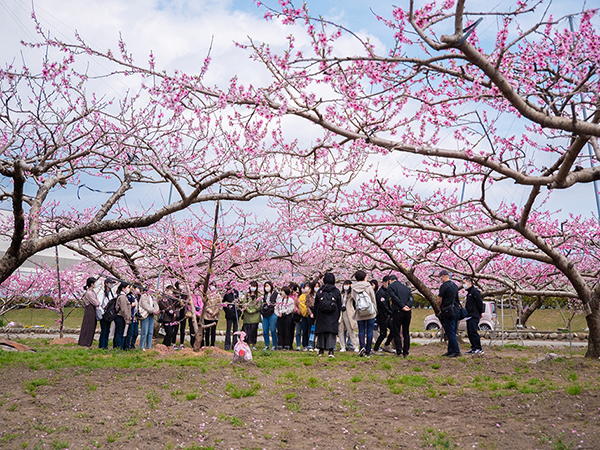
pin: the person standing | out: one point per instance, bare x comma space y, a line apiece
88, 324
169, 306
307, 304
384, 314
447, 302
123, 315
402, 302
230, 302
474, 306
328, 306
267, 310
107, 296
213, 310
347, 321
148, 308
251, 314
196, 308
133, 328
362, 294
284, 309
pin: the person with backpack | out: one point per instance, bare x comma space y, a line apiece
230, 302
365, 312
347, 322
284, 309
107, 304
384, 315
328, 306
402, 302
148, 309
448, 304
269, 318
123, 308
88, 324
475, 308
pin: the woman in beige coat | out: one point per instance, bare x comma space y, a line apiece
366, 311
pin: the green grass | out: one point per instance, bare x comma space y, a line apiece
241, 392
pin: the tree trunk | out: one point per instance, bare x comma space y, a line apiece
527, 312
593, 323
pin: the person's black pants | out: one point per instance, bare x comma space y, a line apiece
401, 325
118, 340
210, 334
472, 328
182, 331
251, 330
382, 323
231, 324
170, 335
285, 331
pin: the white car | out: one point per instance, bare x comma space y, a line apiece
486, 323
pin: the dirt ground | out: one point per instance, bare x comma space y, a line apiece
500, 400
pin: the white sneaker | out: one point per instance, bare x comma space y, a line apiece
342, 350
181, 347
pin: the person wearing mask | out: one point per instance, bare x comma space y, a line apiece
306, 303
251, 314
269, 318
474, 306
284, 309
347, 323
384, 314
169, 307
230, 306
362, 294
123, 315
133, 326
107, 295
447, 301
213, 310
402, 302
148, 308
88, 324
297, 314
328, 306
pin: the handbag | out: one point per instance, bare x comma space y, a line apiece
161, 317
99, 312
297, 317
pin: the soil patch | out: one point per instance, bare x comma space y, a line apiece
295, 400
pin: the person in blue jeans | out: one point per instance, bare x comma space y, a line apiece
447, 300
134, 326
362, 289
269, 318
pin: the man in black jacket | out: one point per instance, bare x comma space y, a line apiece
447, 303
230, 301
384, 315
402, 301
475, 308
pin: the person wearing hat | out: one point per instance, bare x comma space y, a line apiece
447, 299
88, 325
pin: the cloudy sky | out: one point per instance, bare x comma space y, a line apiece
179, 33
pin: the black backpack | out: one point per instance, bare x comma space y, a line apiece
110, 313
327, 303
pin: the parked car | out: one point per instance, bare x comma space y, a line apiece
486, 323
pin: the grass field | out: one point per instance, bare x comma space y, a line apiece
542, 319
72, 397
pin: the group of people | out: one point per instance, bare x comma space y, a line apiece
316, 313
320, 311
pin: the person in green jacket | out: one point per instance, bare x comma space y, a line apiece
251, 315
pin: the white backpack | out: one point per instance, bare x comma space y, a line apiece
364, 306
